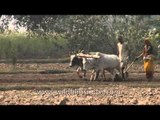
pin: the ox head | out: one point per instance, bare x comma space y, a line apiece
75, 60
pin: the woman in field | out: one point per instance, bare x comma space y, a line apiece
148, 59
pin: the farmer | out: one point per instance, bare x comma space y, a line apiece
148, 59
123, 54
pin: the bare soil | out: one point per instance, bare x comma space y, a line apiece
57, 84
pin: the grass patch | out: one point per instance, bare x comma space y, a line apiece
53, 71
18, 72
38, 87
35, 72
145, 85
73, 85
24, 61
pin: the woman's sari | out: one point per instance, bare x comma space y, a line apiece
149, 66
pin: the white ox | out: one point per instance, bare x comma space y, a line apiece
108, 62
76, 61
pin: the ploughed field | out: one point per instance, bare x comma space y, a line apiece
57, 84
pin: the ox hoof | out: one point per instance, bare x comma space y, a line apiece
80, 76
91, 80
117, 78
126, 75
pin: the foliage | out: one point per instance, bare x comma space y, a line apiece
19, 46
55, 35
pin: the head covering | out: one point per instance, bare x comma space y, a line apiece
120, 39
146, 39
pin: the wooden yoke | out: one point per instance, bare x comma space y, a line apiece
87, 55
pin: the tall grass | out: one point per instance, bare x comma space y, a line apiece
20, 46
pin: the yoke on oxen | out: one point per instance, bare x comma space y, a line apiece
90, 55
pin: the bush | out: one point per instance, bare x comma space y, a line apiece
20, 46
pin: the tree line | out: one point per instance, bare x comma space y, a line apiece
54, 36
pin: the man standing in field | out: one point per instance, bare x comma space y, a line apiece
123, 54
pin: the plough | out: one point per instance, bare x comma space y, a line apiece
129, 66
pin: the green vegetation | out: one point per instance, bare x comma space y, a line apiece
54, 36
19, 46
